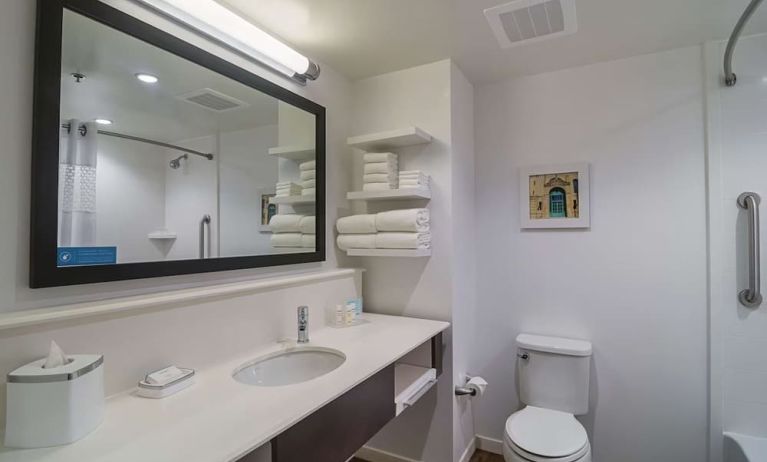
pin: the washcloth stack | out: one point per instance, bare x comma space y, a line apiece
381, 171
288, 188
291, 230
396, 229
308, 178
413, 179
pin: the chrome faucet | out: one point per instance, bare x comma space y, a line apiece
303, 324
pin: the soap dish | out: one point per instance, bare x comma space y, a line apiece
149, 390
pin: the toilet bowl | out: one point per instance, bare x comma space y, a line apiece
544, 435
553, 382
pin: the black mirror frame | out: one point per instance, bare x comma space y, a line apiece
44, 271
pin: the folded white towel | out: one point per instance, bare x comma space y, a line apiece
380, 178
310, 165
407, 220
403, 240
413, 184
288, 190
356, 241
287, 184
381, 167
309, 192
307, 225
286, 223
309, 184
308, 240
308, 175
378, 186
286, 240
412, 177
411, 172
357, 224
371, 157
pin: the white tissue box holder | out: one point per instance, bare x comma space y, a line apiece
54, 406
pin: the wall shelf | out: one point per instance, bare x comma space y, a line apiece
405, 253
390, 195
292, 200
294, 153
391, 139
162, 235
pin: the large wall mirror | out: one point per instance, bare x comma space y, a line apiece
154, 158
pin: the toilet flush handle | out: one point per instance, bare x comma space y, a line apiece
524, 356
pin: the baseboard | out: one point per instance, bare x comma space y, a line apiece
377, 455
469, 451
489, 444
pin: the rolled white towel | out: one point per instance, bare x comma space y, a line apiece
403, 240
412, 177
309, 184
308, 175
286, 223
380, 178
381, 167
378, 186
371, 157
411, 173
414, 183
309, 192
286, 240
357, 224
407, 220
309, 165
288, 190
307, 225
308, 240
356, 241
287, 184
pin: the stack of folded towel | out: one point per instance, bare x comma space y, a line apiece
289, 230
288, 188
308, 178
380, 171
413, 179
396, 229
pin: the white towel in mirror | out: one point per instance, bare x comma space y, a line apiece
308, 175
307, 225
286, 240
371, 157
308, 241
310, 165
287, 223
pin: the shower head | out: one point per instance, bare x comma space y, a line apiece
176, 163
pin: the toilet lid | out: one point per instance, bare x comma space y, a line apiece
545, 432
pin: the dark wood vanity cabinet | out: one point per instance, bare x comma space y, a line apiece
335, 432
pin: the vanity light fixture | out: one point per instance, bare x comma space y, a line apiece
103, 121
230, 29
147, 78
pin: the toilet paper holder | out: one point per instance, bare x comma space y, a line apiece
463, 391
470, 387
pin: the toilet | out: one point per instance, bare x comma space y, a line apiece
553, 376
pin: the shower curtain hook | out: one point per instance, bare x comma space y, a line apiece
83, 130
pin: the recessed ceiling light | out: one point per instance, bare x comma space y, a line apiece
103, 121
147, 78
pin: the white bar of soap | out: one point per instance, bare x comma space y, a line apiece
164, 376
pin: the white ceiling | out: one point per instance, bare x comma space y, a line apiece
361, 38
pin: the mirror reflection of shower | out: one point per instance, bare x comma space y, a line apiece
176, 163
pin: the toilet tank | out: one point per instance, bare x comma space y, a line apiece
555, 374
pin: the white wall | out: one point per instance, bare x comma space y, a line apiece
245, 171
635, 283
130, 198
739, 142
17, 28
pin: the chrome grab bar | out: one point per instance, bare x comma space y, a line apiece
752, 297
730, 79
205, 222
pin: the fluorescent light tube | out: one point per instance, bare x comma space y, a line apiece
215, 20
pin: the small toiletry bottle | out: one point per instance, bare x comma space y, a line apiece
340, 318
350, 310
358, 308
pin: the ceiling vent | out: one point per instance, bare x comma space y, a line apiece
526, 21
212, 100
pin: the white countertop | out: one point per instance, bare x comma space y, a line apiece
221, 420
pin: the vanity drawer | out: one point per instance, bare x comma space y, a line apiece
336, 431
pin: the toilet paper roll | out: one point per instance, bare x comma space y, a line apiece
477, 383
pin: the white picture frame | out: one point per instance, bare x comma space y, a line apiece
552, 199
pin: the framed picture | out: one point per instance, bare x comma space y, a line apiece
266, 209
554, 196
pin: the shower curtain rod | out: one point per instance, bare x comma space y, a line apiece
729, 76
84, 130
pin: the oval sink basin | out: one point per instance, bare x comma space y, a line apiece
290, 366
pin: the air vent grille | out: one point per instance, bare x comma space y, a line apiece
212, 100
524, 21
